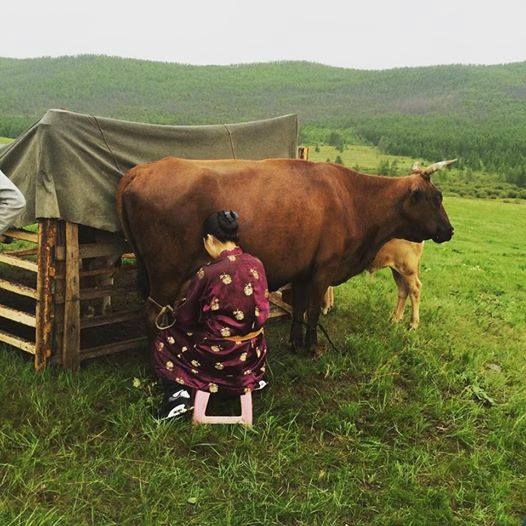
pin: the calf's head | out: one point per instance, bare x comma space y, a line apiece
422, 207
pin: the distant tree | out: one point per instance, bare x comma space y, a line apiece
393, 168
383, 167
338, 160
335, 139
317, 148
383, 144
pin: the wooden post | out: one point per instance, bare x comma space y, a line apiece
58, 292
71, 340
47, 236
303, 153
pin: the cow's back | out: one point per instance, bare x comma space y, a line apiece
286, 207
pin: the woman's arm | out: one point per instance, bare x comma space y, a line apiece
188, 312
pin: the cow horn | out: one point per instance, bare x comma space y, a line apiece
437, 166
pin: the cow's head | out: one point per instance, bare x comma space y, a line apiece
422, 207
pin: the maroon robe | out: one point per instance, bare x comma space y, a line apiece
227, 300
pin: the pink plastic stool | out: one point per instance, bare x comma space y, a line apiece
201, 402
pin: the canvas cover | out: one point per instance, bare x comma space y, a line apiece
68, 164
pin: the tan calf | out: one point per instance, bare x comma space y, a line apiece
403, 258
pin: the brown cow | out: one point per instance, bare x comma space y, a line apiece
311, 224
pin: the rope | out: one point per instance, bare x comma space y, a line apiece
107, 144
166, 317
325, 333
231, 141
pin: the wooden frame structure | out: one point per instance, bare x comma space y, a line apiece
55, 316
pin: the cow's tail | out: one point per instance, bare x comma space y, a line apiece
143, 283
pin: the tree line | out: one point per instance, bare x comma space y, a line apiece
474, 113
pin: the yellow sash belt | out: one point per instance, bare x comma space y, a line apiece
244, 337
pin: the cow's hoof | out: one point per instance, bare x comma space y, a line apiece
413, 327
317, 351
297, 343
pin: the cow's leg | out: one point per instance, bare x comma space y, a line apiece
403, 292
414, 285
300, 300
313, 315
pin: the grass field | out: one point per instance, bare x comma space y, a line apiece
396, 428
361, 157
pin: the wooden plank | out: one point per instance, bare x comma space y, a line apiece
16, 341
278, 302
47, 240
18, 316
18, 288
24, 235
108, 271
23, 252
108, 319
15, 261
95, 250
102, 350
71, 340
99, 292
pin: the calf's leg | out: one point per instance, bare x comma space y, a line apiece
403, 292
415, 286
328, 300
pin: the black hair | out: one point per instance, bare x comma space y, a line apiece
223, 225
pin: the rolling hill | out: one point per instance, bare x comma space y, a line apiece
477, 113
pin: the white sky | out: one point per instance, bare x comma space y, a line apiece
365, 34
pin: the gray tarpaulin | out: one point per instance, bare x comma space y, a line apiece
68, 164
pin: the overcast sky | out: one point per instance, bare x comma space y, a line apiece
363, 34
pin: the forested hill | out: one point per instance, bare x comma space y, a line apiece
477, 113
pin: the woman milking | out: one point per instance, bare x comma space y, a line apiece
216, 343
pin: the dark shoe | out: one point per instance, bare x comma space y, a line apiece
176, 405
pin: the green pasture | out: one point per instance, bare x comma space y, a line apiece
393, 428
361, 157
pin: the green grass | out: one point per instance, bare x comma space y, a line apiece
5, 140
396, 428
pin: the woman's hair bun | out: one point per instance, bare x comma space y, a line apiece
228, 220
223, 225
